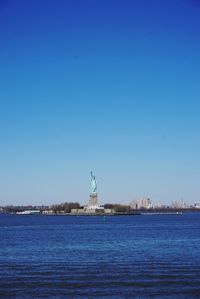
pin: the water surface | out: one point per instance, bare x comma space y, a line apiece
155, 256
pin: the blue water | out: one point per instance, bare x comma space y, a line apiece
154, 256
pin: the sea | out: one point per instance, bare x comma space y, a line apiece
136, 256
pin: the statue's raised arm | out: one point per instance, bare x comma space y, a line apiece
93, 187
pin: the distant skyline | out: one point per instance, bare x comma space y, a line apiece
107, 86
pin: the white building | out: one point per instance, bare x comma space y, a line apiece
146, 203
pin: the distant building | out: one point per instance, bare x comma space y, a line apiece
146, 203
47, 212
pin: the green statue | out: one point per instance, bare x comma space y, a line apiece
93, 186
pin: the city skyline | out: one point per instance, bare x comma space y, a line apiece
110, 86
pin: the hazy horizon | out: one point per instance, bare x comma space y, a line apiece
108, 86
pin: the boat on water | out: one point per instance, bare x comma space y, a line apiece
29, 212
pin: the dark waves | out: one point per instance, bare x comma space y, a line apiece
90, 280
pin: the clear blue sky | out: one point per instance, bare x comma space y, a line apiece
109, 86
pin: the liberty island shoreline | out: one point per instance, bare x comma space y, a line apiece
143, 207
125, 210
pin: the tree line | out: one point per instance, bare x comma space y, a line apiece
65, 207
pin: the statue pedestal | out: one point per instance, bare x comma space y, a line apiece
93, 200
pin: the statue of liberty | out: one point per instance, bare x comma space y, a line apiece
93, 186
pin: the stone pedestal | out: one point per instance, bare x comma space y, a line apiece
93, 200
